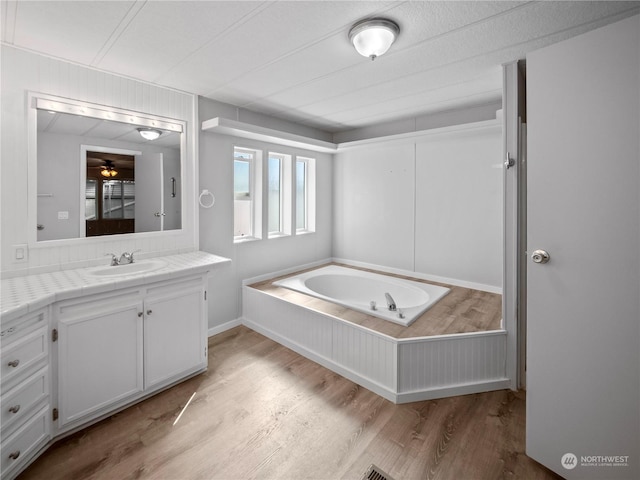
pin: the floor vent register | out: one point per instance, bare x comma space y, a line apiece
375, 473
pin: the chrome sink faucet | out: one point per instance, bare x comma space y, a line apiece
127, 257
124, 259
114, 259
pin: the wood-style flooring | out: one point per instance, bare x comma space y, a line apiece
462, 310
262, 411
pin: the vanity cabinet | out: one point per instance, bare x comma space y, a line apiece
117, 347
175, 337
25, 402
99, 355
82, 344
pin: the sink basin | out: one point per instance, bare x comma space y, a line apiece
135, 268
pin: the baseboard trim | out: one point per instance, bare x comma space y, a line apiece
224, 327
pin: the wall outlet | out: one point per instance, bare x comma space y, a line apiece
20, 253
63, 215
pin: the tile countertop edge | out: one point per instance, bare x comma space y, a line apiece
30, 293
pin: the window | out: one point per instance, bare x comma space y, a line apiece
274, 194
279, 195
247, 194
305, 194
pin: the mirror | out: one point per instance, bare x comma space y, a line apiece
98, 175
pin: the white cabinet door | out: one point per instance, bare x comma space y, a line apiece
100, 359
174, 335
583, 317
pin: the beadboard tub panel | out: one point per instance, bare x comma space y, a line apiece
400, 370
306, 328
437, 362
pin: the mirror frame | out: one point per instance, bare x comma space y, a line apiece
40, 101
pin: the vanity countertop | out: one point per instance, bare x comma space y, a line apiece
21, 295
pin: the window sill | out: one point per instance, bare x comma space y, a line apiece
278, 235
245, 239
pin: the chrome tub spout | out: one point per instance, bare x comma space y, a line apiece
391, 303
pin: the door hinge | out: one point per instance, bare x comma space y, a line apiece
54, 414
54, 335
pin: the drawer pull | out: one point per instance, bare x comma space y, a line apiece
14, 455
14, 363
15, 409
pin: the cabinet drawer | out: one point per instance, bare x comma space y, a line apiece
25, 441
22, 354
20, 326
18, 402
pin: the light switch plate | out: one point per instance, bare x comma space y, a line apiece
20, 253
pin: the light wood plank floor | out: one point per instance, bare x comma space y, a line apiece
263, 411
462, 310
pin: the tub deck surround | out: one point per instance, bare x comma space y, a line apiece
462, 310
457, 347
20, 295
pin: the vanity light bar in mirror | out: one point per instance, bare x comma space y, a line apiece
96, 112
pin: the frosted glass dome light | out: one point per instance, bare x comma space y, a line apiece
149, 133
372, 38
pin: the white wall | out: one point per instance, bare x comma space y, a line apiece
25, 71
172, 205
432, 205
216, 224
446, 118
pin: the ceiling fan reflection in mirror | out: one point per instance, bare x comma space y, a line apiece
108, 170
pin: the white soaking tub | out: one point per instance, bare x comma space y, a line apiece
367, 292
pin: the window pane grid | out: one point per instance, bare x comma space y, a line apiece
275, 217
243, 217
301, 195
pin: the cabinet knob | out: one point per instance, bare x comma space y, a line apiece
149, 312
14, 455
14, 409
140, 314
14, 363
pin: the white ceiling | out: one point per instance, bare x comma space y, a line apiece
86, 126
293, 60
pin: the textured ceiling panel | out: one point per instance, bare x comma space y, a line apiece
151, 46
70, 30
292, 59
461, 45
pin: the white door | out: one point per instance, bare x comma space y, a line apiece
149, 192
583, 336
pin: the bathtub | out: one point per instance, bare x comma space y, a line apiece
365, 292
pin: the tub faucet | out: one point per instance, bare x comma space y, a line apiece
391, 303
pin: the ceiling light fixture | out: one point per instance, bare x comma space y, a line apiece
372, 38
108, 170
149, 133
